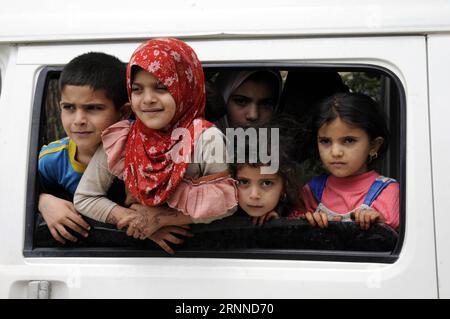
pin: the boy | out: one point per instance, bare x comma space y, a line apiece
93, 97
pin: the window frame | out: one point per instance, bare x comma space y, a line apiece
280, 254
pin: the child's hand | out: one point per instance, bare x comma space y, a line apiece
317, 219
142, 221
320, 219
365, 217
166, 234
265, 218
59, 214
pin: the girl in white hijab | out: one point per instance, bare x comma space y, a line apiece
251, 97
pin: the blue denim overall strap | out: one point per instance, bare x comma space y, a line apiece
317, 186
376, 188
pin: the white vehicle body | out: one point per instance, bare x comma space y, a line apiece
411, 39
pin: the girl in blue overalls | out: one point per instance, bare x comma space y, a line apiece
351, 134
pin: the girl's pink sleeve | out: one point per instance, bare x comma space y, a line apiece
114, 139
388, 204
206, 198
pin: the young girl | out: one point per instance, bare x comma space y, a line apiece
265, 196
351, 134
251, 97
153, 155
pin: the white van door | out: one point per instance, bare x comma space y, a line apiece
409, 271
438, 51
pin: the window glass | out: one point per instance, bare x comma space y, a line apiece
236, 236
53, 129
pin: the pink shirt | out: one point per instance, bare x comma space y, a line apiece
344, 194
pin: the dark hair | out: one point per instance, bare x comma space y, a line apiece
356, 109
288, 168
304, 89
99, 71
215, 107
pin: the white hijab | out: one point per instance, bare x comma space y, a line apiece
228, 81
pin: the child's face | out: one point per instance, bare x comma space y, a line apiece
258, 193
151, 101
344, 149
85, 113
251, 104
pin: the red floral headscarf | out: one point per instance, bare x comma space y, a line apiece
151, 174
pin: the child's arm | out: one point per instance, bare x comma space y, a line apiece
191, 202
155, 223
91, 195
59, 214
90, 199
143, 221
208, 192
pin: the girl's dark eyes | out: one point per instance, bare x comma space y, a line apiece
68, 107
324, 140
268, 103
267, 183
161, 87
241, 101
135, 88
242, 182
89, 108
349, 140
94, 108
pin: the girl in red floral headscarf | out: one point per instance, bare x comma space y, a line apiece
166, 155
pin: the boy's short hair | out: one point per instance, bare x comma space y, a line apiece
99, 71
